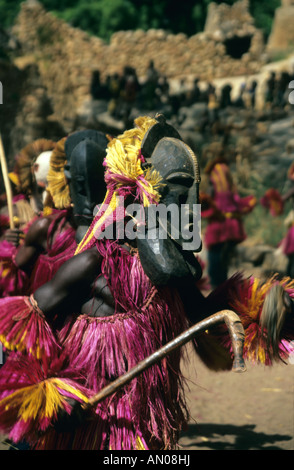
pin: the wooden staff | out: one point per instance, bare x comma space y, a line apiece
237, 334
6, 184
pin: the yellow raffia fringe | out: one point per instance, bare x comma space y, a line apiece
257, 355
42, 400
47, 211
259, 291
91, 233
57, 184
18, 344
26, 159
122, 160
251, 307
5, 271
14, 178
139, 444
256, 299
251, 310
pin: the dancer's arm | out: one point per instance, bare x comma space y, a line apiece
71, 286
34, 244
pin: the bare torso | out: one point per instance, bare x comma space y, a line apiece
101, 303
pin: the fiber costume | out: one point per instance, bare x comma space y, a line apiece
29, 182
13, 281
76, 178
24, 213
29, 179
266, 313
224, 210
275, 202
61, 245
75, 360
33, 165
90, 351
58, 218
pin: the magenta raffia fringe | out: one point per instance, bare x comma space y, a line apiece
23, 388
103, 349
23, 327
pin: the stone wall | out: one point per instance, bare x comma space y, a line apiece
67, 56
224, 20
26, 112
281, 39
12, 80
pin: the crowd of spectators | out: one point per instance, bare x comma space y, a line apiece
124, 91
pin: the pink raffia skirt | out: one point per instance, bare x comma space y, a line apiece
287, 244
221, 231
85, 356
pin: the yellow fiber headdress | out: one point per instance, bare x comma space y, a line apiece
23, 175
57, 183
125, 176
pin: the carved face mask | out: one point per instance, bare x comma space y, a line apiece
85, 152
164, 150
169, 257
178, 167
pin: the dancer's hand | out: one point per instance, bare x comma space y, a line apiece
13, 236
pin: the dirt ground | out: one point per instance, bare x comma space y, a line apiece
253, 410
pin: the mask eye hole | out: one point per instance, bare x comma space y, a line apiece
67, 173
181, 180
